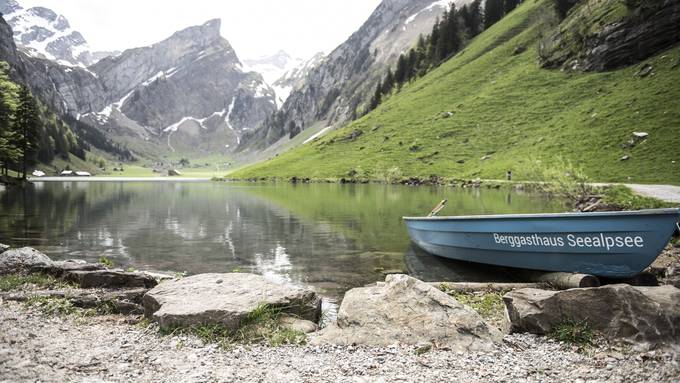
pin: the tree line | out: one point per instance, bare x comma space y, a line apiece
29, 133
450, 33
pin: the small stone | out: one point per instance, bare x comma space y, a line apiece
644, 71
624, 158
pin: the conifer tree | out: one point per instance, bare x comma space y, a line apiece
452, 31
388, 82
509, 5
493, 11
443, 40
377, 97
411, 62
9, 152
434, 39
400, 72
28, 128
475, 24
464, 13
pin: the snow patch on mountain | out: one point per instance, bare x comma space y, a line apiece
43, 33
279, 71
293, 77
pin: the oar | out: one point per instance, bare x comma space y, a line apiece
437, 208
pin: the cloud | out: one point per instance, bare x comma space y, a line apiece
253, 27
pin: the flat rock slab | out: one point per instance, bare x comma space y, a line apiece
407, 311
636, 314
59, 269
121, 301
109, 279
22, 259
225, 299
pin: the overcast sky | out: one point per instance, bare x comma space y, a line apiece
253, 27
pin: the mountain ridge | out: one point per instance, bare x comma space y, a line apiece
43, 33
493, 108
187, 92
333, 91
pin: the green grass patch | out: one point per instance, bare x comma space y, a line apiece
625, 199
506, 109
106, 261
12, 282
488, 304
262, 325
573, 332
51, 306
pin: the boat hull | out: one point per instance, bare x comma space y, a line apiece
608, 244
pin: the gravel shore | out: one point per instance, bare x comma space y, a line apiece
34, 347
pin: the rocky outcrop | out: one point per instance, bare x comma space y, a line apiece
408, 311
23, 259
337, 86
187, 93
225, 299
43, 33
59, 269
648, 27
624, 312
67, 90
3, 248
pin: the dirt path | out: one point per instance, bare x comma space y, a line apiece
668, 193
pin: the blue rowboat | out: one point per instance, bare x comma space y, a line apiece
609, 244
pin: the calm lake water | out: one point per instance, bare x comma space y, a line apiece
331, 236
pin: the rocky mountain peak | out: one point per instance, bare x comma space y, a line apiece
9, 6
201, 35
42, 32
334, 89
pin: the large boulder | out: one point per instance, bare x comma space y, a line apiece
225, 299
407, 311
22, 259
3, 248
635, 314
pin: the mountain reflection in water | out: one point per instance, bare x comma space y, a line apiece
331, 236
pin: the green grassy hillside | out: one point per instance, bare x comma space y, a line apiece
491, 108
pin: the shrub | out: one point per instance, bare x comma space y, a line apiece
564, 179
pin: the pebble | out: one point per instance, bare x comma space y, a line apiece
59, 348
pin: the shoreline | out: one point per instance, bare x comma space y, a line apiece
59, 324
115, 348
118, 179
665, 193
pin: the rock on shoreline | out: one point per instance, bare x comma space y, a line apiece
408, 311
225, 299
22, 259
622, 312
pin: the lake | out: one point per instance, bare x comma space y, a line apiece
331, 236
